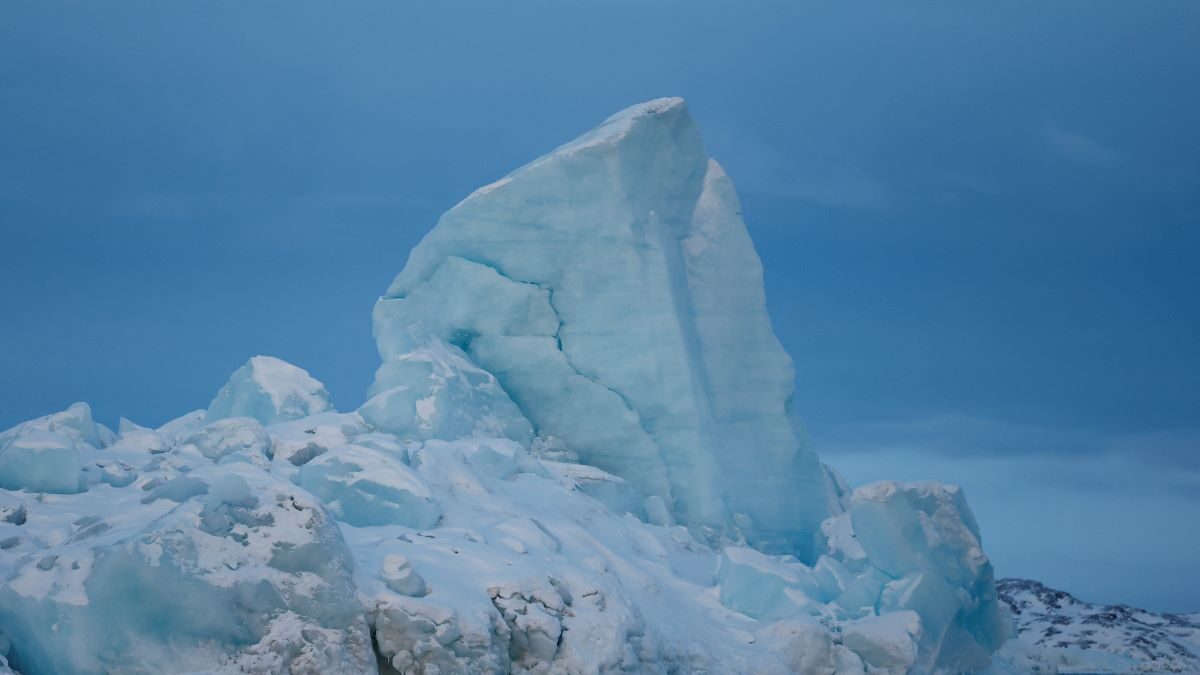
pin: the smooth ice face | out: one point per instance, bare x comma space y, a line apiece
41, 461
270, 391
45, 454
365, 487
613, 290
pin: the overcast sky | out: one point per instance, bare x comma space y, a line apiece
980, 224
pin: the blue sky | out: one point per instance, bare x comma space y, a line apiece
980, 224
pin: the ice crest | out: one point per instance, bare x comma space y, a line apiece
613, 290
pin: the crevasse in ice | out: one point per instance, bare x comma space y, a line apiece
577, 457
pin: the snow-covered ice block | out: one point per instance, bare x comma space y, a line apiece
804, 645
612, 288
168, 586
231, 439
414, 636
399, 576
183, 424
887, 642
75, 423
915, 546
297, 442
765, 587
41, 461
613, 491
364, 487
434, 391
140, 441
270, 390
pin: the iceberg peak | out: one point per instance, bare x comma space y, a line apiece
663, 113
612, 289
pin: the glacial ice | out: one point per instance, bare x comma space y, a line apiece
270, 391
41, 461
43, 455
578, 457
613, 290
434, 391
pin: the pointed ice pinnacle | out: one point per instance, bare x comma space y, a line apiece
613, 290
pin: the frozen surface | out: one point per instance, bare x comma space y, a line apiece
269, 390
578, 457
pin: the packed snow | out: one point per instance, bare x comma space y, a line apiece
578, 457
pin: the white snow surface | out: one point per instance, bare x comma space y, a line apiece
578, 458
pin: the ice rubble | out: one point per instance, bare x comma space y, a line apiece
577, 457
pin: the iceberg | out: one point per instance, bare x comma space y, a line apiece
434, 391
578, 456
613, 290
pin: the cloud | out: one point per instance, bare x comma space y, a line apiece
1076, 147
